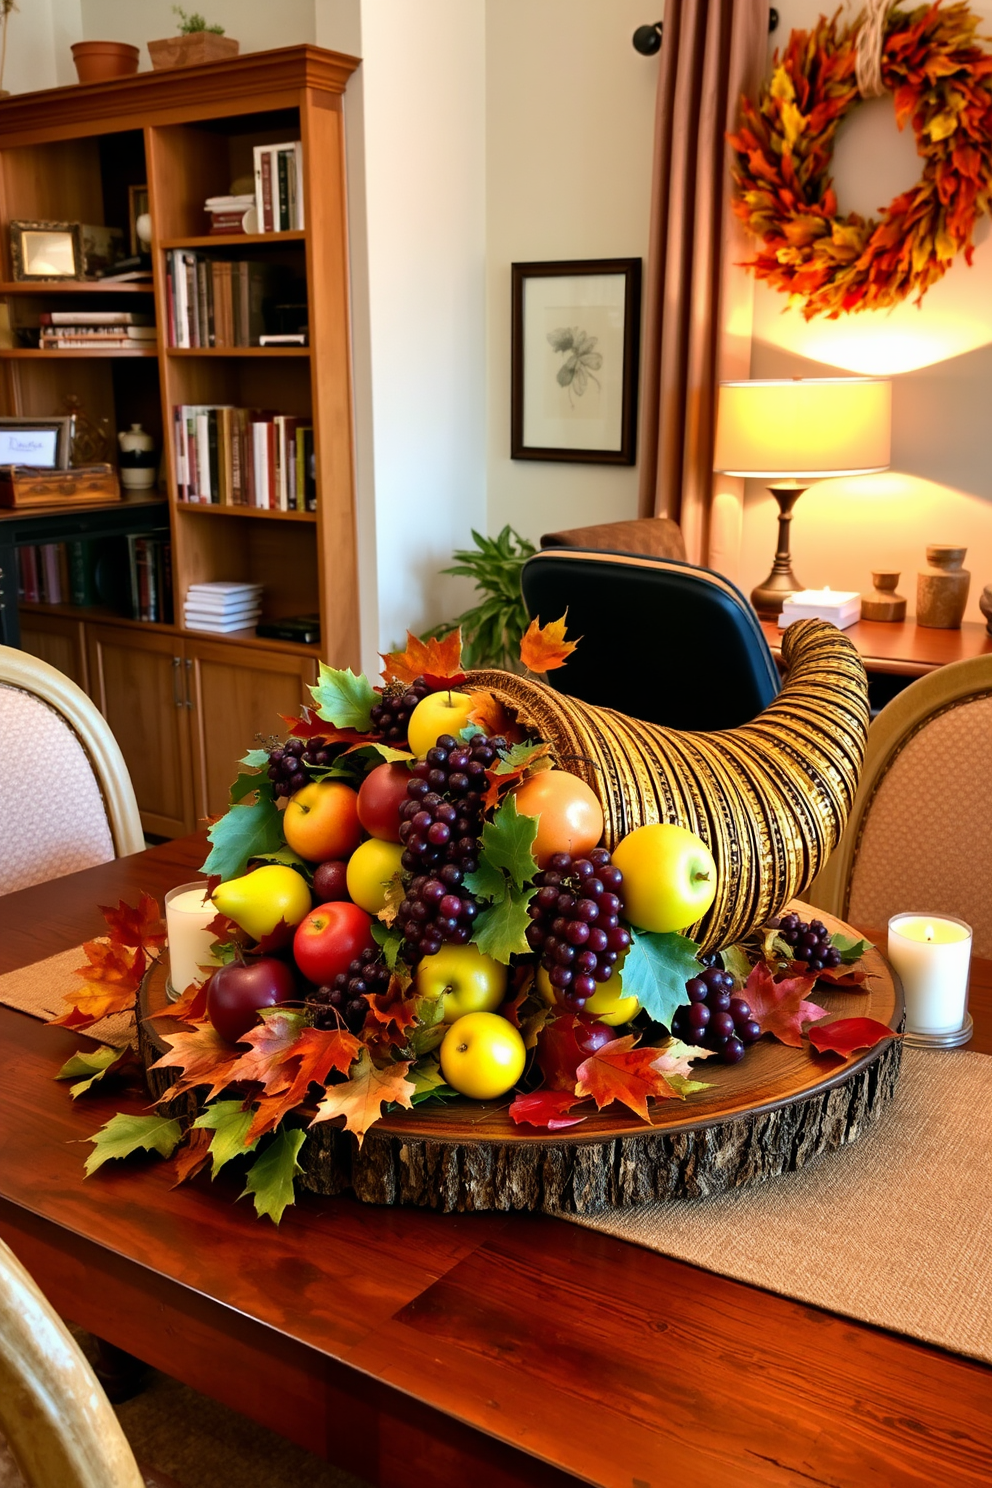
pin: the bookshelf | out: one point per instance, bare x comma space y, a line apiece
182, 703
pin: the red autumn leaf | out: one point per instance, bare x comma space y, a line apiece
544, 648
192, 1156
509, 771
204, 1058
620, 1072
117, 965
438, 662
287, 1067
392, 1013
361, 1098
778, 1006
111, 979
847, 1035
842, 978
142, 927
547, 1108
308, 726
191, 1007
493, 718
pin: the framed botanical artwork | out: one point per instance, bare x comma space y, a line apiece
42, 442
46, 250
575, 344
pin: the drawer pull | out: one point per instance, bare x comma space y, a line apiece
177, 697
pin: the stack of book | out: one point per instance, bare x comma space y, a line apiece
214, 302
150, 565
279, 187
96, 330
222, 607
231, 214
43, 574
228, 456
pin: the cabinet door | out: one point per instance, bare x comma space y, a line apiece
237, 693
136, 678
58, 640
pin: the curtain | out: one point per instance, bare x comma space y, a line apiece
698, 301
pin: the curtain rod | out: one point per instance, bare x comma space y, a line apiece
647, 39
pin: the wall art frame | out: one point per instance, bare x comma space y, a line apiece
46, 251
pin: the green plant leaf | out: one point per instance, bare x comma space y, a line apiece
428, 1083
851, 950
250, 782
289, 858
270, 1177
501, 930
255, 759
655, 971
737, 962
487, 882
344, 699
244, 832
124, 1134
507, 843
389, 942
229, 1123
94, 1064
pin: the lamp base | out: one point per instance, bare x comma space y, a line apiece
769, 597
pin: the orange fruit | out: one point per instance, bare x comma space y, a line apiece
569, 816
321, 821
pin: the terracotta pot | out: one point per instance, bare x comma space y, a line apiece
98, 61
187, 51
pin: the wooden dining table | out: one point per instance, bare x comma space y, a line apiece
420, 1350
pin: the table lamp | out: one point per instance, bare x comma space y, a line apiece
792, 431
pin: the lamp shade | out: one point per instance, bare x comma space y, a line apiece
804, 427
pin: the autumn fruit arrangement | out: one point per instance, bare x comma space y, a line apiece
414, 904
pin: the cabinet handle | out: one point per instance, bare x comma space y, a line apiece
189, 683
176, 683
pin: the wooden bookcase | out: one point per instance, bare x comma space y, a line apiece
184, 704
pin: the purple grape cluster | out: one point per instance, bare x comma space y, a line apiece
440, 827
391, 714
287, 770
810, 942
346, 999
575, 924
715, 1019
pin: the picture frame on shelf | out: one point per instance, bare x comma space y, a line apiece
46, 250
574, 360
41, 443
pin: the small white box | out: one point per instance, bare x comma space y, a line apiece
840, 607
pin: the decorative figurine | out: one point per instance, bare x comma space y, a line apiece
883, 603
942, 589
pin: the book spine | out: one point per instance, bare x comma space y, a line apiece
80, 573
132, 559
202, 456
298, 158
300, 466
192, 327
213, 456
165, 590
310, 471
270, 440
259, 190
282, 165
260, 464
267, 217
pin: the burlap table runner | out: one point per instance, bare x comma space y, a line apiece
895, 1230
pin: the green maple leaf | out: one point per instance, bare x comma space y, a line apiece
501, 930
518, 754
507, 843
255, 759
389, 942
253, 779
428, 1083
737, 962
94, 1064
270, 1177
289, 858
851, 950
655, 971
487, 882
344, 699
244, 832
124, 1134
229, 1123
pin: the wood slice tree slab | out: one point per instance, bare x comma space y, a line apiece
768, 1115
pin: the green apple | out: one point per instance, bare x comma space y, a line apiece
669, 877
436, 714
468, 981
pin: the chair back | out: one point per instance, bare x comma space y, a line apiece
66, 799
920, 834
662, 640
59, 1425
652, 537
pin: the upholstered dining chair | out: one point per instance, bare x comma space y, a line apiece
652, 537
66, 799
662, 640
920, 834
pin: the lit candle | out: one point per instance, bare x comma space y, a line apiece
932, 955
187, 915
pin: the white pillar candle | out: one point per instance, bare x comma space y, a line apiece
187, 915
932, 955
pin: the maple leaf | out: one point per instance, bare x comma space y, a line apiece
778, 1006
547, 1108
191, 1007
270, 1177
286, 1059
124, 1134
395, 894
229, 1124
840, 978
438, 662
309, 727
112, 977
142, 927
191, 1157
543, 648
243, 833
389, 941
270, 1045
846, 1036
361, 1098
519, 761
344, 699
737, 962
394, 1007
656, 969
851, 949
204, 1058
501, 930
493, 718
94, 1064
620, 1072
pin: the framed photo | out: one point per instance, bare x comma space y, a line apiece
46, 250
575, 344
42, 443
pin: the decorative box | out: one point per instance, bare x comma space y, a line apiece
837, 606
86, 485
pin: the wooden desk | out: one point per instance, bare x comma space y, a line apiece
416, 1349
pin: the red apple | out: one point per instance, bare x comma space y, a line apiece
564, 1043
379, 801
236, 992
330, 881
329, 938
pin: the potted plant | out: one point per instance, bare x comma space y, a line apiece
492, 629
196, 42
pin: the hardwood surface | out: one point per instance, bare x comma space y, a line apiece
904, 648
418, 1349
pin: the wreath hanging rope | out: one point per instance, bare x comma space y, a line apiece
941, 80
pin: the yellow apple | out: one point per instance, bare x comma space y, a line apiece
468, 981
669, 877
608, 1004
482, 1056
371, 869
260, 900
436, 714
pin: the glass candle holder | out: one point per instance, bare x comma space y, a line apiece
932, 956
187, 916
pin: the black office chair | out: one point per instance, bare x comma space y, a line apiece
661, 640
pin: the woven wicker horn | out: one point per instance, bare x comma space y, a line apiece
771, 798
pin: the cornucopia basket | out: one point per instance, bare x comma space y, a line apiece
770, 798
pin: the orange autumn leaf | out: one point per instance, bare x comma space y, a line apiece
286, 1060
361, 1098
192, 1156
493, 718
142, 927
619, 1072
519, 761
203, 1057
544, 648
191, 1007
106, 962
439, 662
111, 979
